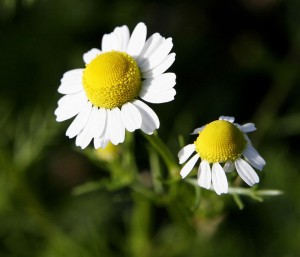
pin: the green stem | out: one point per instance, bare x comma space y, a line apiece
254, 194
164, 152
238, 201
155, 171
139, 239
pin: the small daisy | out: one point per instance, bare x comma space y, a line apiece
222, 141
104, 95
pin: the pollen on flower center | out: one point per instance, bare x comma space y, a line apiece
112, 79
220, 141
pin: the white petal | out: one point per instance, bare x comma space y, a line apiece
248, 127
72, 99
229, 166
161, 68
185, 153
100, 122
97, 142
72, 74
71, 82
246, 172
80, 121
150, 121
227, 118
159, 89
197, 130
158, 55
90, 55
247, 139
109, 42
115, 126
189, 166
122, 34
69, 106
137, 39
165, 81
71, 88
100, 142
219, 179
93, 122
85, 137
131, 117
158, 97
253, 157
204, 175
103, 140
151, 44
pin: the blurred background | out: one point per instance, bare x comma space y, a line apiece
239, 58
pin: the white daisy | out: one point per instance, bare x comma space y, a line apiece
104, 95
222, 141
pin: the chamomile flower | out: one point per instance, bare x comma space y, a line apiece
104, 96
222, 142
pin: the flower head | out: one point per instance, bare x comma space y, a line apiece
222, 142
104, 95
109, 153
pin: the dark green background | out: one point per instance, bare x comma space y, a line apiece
239, 58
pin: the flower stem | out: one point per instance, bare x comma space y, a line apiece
155, 171
140, 225
164, 152
252, 193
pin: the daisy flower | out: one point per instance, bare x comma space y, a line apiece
222, 142
104, 96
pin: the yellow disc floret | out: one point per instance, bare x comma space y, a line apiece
220, 141
112, 79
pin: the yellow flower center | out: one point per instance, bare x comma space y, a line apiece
220, 141
112, 79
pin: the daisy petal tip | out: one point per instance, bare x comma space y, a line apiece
227, 118
137, 39
197, 130
183, 175
221, 192
246, 172
254, 158
90, 55
67, 134
185, 153
141, 24
59, 119
187, 168
203, 184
